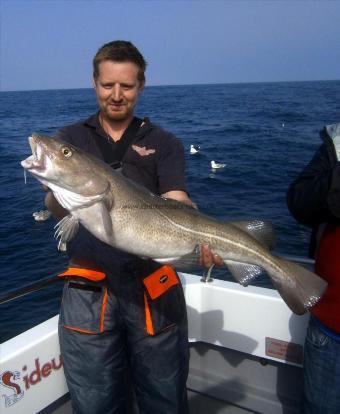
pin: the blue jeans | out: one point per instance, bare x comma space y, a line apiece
321, 373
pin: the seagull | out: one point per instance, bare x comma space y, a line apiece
216, 165
194, 149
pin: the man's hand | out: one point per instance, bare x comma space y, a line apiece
54, 207
208, 258
180, 196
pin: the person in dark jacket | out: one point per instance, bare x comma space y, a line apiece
314, 200
108, 323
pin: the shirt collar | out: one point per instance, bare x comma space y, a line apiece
93, 122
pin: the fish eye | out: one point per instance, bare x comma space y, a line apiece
67, 153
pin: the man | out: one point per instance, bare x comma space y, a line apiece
314, 200
106, 312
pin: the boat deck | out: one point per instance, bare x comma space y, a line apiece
198, 403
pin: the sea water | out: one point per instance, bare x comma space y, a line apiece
264, 132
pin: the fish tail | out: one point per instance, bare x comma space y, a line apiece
299, 287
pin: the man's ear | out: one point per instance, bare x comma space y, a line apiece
94, 83
141, 86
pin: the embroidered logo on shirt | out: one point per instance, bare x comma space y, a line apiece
142, 151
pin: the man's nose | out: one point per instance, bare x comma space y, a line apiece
116, 93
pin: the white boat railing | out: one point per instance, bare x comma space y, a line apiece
253, 321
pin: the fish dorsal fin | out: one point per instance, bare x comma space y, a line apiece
244, 273
262, 231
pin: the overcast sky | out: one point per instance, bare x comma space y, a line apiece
49, 44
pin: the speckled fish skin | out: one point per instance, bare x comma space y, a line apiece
129, 217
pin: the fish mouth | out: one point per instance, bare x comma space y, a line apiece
35, 163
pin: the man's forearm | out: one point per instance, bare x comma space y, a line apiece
54, 207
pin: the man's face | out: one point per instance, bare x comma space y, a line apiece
117, 88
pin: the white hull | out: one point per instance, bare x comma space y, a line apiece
246, 349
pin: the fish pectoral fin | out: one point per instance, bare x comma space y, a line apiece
244, 273
108, 200
186, 261
98, 221
262, 231
165, 260
66, 229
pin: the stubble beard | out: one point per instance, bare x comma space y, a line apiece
119, 116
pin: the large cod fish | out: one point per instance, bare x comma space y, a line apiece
130, 218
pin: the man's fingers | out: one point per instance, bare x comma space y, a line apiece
208, 258
218, 260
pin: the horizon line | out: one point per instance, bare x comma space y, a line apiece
179, 84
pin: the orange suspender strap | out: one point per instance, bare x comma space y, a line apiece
92, 275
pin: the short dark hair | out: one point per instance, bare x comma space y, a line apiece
120, 51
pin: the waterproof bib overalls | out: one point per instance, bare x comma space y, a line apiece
123, 319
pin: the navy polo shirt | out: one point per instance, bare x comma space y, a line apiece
155, 158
